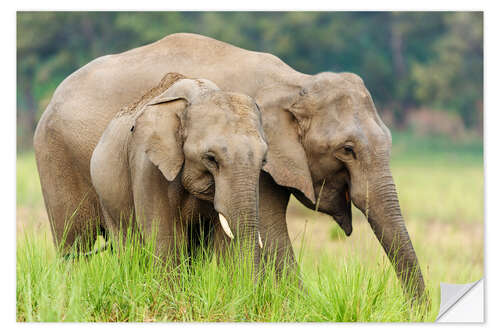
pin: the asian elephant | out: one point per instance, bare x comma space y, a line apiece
185, 156
326, 143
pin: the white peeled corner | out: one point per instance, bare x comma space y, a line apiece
462, 303
260, 240
225, 226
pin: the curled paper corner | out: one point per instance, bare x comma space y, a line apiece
462, 303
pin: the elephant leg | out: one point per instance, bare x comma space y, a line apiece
116, 229
157, 215
277, 247
72, 205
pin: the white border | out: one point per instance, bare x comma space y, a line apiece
8, 135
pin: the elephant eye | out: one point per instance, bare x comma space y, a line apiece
211, 159
349, 151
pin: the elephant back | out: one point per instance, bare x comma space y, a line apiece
166, 82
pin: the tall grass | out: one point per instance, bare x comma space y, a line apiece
132, 285
440, 187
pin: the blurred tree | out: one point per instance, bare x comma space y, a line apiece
407, 59
453, 79
49, 47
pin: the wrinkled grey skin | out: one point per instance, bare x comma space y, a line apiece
323, 131
182, 157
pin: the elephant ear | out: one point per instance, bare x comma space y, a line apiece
158, 126
286, 158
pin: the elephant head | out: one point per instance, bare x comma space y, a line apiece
213, 140
341, 150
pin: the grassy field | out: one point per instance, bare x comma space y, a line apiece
440, 184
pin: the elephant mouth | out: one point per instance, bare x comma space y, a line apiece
345, 223
344, 219
337, 204
206, 194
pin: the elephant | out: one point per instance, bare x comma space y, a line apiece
327, 144
183, 156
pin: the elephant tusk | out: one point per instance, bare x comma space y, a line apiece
260, 239
225, 226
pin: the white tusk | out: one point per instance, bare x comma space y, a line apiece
225, 226
260, 240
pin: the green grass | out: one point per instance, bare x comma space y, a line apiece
133, 286
408, 148
440, 186
29, 193
438, 179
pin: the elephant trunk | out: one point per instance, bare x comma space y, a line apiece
384, 215
242, 213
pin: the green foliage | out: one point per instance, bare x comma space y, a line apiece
131, 285
457, 67
410, 59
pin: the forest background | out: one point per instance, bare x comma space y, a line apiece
423, 69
